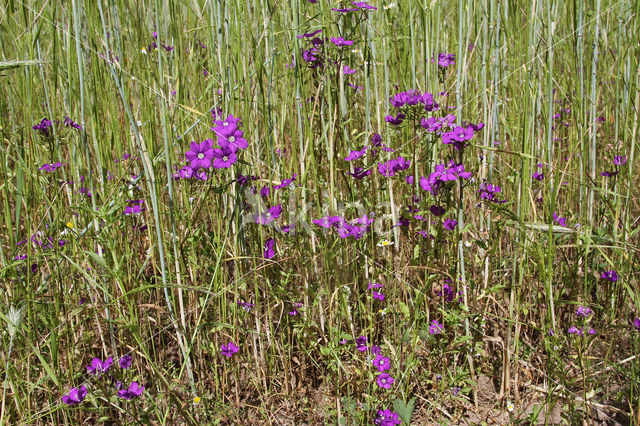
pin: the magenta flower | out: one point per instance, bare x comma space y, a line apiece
224, 157
559, 220
43, 127
286, 182
381, 363
363, 6
75, 396
354, 155
583, 311
347, 71
125, 362
385, 380
397, 120
234, 140
339, 41
268, 251
229, 349
361, 343
609, 275
98, 367
636, 323
436, 328
266, 217
450, 224
134, 391
387, 418
200, 155
360, 173
309, 35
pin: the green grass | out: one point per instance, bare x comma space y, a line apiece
163, 285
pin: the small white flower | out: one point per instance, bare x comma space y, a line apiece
143, 51
389, 6
510, 406
385, 243
467, 243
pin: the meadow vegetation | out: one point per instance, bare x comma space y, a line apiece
319, 212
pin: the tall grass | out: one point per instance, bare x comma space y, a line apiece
556, 85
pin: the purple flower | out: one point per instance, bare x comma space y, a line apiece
98, 367
361, 343
68, 122
354, 155
381, 363
385, 380
200, 155
347, 71
43, 127
245, 305
363, 6
229, 349
583, 311
344, 10
125, 362
224, 157
489, 192
376, 350
233, 139
295, 311
268, 251
360, 173
455, 391
609, 275
538, 176
286, 182
51, 167
437, 210
574, 330
620, 160
265, 217
445, 59
636, 323
339, 41
75, 396
309, 35
387, 418
134, 207
134, 391
559, 220
436, 328
450, 224
397, 120
591, 331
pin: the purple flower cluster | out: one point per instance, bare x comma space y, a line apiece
490, 192
98, 368
445, 59
413, 98
436, 327
443, 174
44, 127
393, 166
374, 292
355, 228
269, 216
51, 167
387, 418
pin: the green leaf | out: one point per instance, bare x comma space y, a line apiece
404, 410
